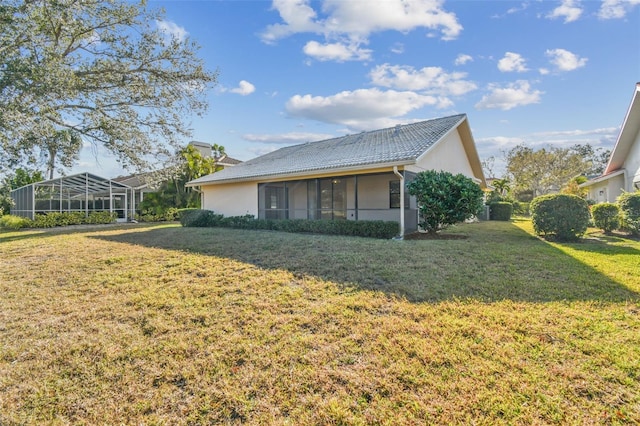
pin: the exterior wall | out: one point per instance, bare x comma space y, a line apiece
607, 190
233, 199
447, 155
632, 165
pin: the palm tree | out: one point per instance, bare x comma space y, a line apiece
502, 186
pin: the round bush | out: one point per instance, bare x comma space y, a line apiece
563, 216
606, 216
629, 203
500, 211
198, 218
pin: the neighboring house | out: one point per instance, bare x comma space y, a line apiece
623, 169
140, 185
354, 177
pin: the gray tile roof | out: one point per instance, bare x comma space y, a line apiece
401, 144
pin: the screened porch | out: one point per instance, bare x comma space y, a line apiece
83, 192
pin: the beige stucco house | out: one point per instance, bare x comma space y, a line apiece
354, 177
623, 169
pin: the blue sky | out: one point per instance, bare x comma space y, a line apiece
292, 71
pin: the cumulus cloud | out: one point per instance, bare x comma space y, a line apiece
298, 17
462, 59
512, 62
616, 9
431, 80
570, 10
513, 95
244, 88
362, 109
286, 138
338, 52
565, 60
172, 30
357, 20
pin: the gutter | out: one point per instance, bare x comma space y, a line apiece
397, 173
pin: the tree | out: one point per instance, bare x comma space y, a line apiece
573, 187
188, 164
444, 199
103, 69
546, 170
503, 186
63, 145
596, 158
19, 178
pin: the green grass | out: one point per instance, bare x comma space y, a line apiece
159, 324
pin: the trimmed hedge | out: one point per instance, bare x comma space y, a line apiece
500, 210
629, 203
371, 229
9, 221
53, 219
563, 216
606, 216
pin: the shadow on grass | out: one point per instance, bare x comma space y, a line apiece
497, 261
8, 235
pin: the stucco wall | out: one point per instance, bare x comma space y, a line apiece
606, 191
448, 155
632, 164
233, 199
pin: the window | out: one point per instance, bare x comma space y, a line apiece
394, 195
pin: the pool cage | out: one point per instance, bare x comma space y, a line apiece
83, 192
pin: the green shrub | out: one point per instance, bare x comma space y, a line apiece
101, 217
199, 218
445, 199
14, 222
563, 216
521, 208
629, 203
606, 216
184, 211
500, 210
371, 229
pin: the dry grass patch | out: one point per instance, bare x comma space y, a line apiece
167, 325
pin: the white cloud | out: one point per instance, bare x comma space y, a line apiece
543, 71
570, 10
355, 21
616, 9
286, 138
298, 17
362, 109
513, 95
397, 48
431, 80
463, 59
173, 30
512, 62
244, 88
338, 52
565, 60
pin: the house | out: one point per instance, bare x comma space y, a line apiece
355, 177
623, 169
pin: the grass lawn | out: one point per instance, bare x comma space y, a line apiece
168, 325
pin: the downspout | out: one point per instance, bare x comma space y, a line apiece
397, 173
